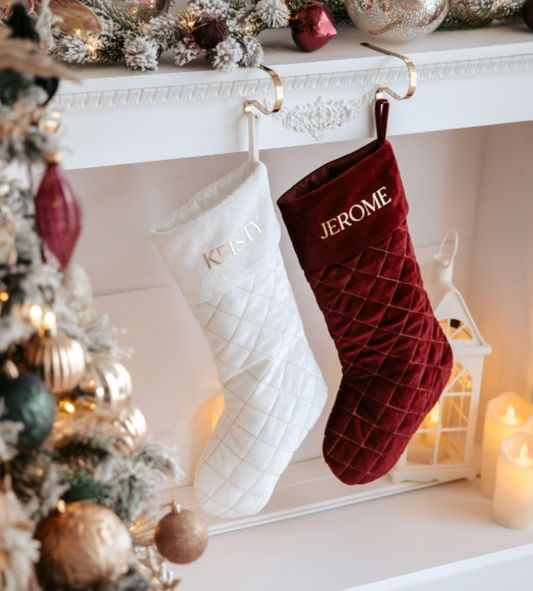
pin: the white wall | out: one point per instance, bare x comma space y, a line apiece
173, 373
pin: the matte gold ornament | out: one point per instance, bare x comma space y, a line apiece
58, 359
83, 546
181, 536
106, 384
76, 290
144, 10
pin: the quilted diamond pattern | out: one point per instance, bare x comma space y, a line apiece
395, 358
273, 391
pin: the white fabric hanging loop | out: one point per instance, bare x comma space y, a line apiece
253, 138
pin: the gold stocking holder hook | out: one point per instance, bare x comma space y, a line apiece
412, 75
278, 87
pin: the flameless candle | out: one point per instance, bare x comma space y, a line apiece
506, 415
513, 493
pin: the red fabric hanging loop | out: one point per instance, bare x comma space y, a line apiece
382, 118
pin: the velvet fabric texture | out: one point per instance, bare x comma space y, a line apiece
347, 222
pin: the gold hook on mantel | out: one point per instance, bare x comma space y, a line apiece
278, 87
412, 75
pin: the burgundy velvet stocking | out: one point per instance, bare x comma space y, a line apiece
347, 222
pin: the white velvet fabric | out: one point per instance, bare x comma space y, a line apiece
223, 251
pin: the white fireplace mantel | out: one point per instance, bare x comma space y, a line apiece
466, 79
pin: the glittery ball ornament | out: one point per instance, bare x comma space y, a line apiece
106, 383
181, 536
397, 21
28, 400
58, 359
210, 30
313, 26
57, 212
83, 546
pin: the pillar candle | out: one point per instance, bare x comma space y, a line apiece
513, 493
506, 415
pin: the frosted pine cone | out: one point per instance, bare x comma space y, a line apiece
185, 52
72, 49
273, 13
140, 53
226, 56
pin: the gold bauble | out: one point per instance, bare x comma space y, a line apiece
106, 383
76, 290
83, 546
58, 359
126, 427
130, 430
181, 536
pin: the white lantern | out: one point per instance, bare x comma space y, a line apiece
442, 448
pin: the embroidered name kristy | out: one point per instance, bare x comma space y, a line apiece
356, 213
236, 244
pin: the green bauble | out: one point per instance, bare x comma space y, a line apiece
28, 400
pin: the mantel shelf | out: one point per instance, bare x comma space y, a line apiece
466, 79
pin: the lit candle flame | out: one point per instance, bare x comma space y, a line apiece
434, 413
523, 459
510, 417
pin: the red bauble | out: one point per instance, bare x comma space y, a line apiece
57, 213
527, 13
313, 26
210, 30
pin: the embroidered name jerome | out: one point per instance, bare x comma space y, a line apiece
236, 245
356, 213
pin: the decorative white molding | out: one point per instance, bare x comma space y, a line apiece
321, 116
326, 81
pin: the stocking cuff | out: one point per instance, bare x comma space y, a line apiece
225, 233
346, 206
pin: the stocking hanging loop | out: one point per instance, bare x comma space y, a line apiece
412, 75
278, 87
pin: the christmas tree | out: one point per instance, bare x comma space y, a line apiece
79, 503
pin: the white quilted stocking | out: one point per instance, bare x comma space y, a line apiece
223, 251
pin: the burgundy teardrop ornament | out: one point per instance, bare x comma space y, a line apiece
57, 213
313, 25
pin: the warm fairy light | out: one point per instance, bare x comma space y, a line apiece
523, 459
36, 314
510, 417
77, 32
4, 296
92, 46
49, 321
69, 407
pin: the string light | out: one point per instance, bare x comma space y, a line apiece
67, 406
4, 296
36, 315
77, 32
49, 321
92, 46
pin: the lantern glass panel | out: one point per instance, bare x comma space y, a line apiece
455, 446
455, 330
455, 412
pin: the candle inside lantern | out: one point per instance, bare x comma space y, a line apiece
506, 415
513, 493
421, 448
